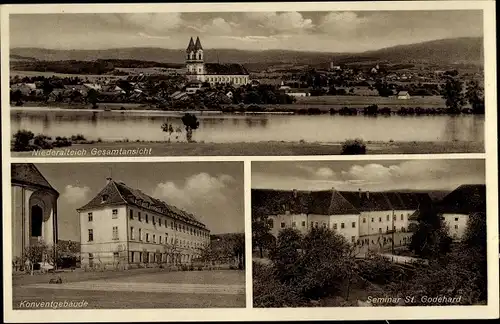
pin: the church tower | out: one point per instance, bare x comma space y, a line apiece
194, 60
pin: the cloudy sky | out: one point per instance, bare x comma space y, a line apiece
368, 175
335, 31
212, 191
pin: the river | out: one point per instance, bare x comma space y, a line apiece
225, 128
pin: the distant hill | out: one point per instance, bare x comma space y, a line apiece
436, 195
441, 52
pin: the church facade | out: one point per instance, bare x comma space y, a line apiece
213, 73
34, 209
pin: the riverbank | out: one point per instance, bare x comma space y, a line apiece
250, 149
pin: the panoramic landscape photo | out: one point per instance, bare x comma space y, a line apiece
369, 233
247, 83
128, 235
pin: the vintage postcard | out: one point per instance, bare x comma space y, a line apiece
249, 161
246, 83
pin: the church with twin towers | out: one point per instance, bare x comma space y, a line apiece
213, 73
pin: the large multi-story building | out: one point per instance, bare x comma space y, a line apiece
361, 217
34, 209
124, 225
366, 217
213, 73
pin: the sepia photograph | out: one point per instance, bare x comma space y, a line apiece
246, 83
127, 235
369, 233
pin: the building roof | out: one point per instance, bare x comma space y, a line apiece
190, 47
197, 46
466, 199
402, 93
28, 174
225, 69
118, 193
332, 202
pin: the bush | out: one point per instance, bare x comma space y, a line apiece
352, 147
22, 140
78, 137
62, 142
42, 141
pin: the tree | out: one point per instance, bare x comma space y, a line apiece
91, 98
452, 92
16, 96
430, 239
172, 250
285, 255
35, 253
475, 96
261, 230
168, 128
191, 123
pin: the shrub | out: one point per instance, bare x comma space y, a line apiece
62, 142
42, 141
78, 137
22, 140
353, 146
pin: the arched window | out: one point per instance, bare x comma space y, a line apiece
36, 221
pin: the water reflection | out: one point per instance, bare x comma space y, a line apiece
245, 128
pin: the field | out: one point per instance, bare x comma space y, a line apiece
259, 148
89, 77
139, 288
363, 101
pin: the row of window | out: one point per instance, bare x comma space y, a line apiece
236, 80
149, 257
191, 56
387, 218
151, 238
173, 225
313, 224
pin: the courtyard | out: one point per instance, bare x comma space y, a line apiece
138, 288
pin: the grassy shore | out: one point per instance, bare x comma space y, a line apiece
256, 149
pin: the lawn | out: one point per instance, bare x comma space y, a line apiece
124, 289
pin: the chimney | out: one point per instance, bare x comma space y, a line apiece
294, 193
360, 193
367, 195
108, 180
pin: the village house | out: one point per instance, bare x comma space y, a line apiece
34, 209
123, 225
213, 73
403, 95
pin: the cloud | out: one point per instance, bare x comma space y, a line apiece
200, 193
150, 22
341, 22
75, 194
291, 21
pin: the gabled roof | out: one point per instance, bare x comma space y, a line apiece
330, 202
28, 174
190, 47
119, 193
197, 46
225, 69
274, 202
466, 199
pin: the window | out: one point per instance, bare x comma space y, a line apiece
147, 220
402, 229
353, 224
282, 225
456, 227
312, 224
380, 230
372, 219
172, 225
316, 224
154, 238
131, 233
335, 226
104, 198
153, 220
91, 235
364, 220
353, 239
140, 234
91, 218
159, 222
116, 255
294, 224
147, 237
161, 242
394, 217
303, 223
323, 224
115, 213
387, 217
380, 219
402, 217
139, 216
342, 225
115, 232
131, 214
271, 223
456, 219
